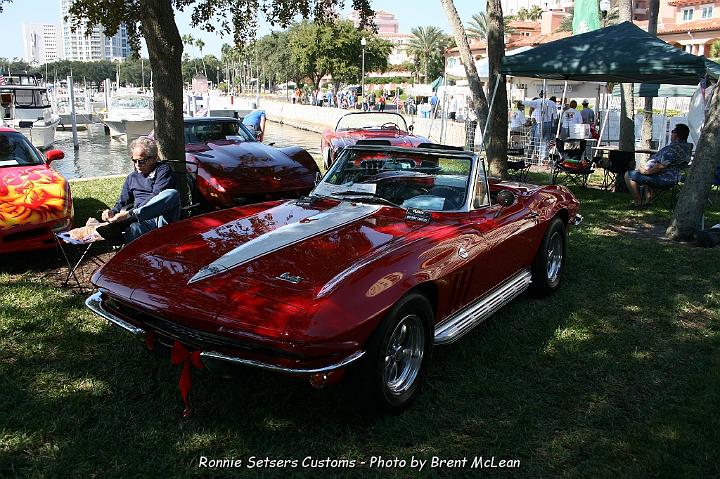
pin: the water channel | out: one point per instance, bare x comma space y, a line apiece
101, 155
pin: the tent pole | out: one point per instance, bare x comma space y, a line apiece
664, 124
487, 121
557, 133
543, 107
605, 120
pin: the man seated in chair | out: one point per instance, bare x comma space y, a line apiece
663, 168
148, 199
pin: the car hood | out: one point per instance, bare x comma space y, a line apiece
32, 195
279, 257
244, 163
341, 139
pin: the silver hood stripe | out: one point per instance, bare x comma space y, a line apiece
285, 236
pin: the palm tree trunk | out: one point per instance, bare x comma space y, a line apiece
498, 128
479, 99
688, 213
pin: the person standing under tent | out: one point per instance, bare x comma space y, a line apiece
587, 114
570, 118
452, 108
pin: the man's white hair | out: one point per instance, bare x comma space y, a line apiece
147, 145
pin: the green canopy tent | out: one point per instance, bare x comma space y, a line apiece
621, 53
654, 90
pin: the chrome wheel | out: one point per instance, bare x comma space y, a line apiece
554, 256
404, 354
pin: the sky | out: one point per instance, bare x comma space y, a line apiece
410, 13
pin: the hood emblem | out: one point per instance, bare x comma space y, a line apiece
290, 278
462, 252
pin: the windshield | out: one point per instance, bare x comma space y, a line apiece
372, 121
206, 131
15, 150
134, 102
423, 180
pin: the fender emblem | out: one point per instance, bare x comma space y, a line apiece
290, 278
462, 252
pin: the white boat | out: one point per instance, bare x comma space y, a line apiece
62, 109
25, 106
130, 115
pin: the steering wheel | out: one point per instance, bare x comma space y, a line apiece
389, 126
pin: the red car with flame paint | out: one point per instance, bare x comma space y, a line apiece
367, 126
230, 167
396, 250
35, 201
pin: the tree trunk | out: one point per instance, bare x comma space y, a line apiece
165, 49
653, 9
498, 128
479, 99
627, 102
687, 217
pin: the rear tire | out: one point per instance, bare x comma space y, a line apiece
549, 264
398, 355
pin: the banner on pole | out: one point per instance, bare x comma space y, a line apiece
586, 16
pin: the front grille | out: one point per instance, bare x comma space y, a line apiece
191, 337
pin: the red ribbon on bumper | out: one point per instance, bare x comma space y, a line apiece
178, 355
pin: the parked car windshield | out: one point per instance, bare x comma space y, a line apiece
16, 150
214, 130
427, 181
372, 121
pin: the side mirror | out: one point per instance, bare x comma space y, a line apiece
318, 178
411, 128
505, 198
53, 155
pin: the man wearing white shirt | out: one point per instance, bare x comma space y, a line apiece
547, 111
452, 108
570, 117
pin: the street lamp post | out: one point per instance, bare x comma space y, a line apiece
363, 42
604, 9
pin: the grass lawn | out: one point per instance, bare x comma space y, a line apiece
617, 375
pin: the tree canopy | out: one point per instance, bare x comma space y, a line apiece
155, 21
427, 46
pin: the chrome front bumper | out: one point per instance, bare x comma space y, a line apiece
94, 303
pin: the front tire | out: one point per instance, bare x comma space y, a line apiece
399, 354
549, 264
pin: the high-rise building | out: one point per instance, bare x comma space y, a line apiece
388, 28
93, 46
41, 42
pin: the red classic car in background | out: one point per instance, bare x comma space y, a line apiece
396, 250
35, 201
367, 126
234, 168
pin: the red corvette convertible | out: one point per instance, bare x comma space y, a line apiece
395, 251
233, 168
367, 126
34, 200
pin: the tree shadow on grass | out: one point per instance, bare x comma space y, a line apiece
614, 375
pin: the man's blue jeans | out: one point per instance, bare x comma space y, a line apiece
159, 211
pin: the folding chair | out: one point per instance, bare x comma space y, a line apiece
570, 162
660, 193
517, 167
75, 253
189, 177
